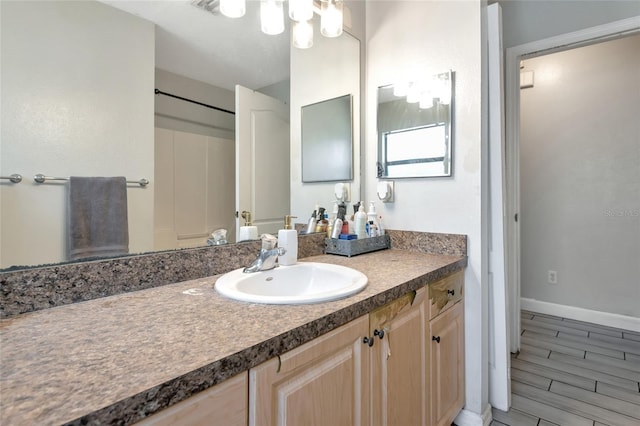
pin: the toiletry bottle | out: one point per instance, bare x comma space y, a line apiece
372, 220
345, 226
371, 214
321, 224
311, 227
352, 219
380, 226
342, 208
337, 226
360, 223
332, 219
288, 239
373, 229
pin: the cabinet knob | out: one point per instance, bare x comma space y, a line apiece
367, 341
379, 333
436, 338
451, 292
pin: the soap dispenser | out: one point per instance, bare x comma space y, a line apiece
249, 231
288, 239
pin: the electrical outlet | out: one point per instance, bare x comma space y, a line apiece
552, 277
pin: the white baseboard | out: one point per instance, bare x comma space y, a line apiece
580, 314
469, 418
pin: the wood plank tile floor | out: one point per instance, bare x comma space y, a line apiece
573, 373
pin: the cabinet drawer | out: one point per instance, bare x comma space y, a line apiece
444, 293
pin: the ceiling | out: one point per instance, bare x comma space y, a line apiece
212, 48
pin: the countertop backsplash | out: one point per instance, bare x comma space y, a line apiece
32, 289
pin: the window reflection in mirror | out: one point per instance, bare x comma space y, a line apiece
414, 128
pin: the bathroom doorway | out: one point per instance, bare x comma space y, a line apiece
533, 173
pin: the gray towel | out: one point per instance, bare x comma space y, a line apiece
98, 223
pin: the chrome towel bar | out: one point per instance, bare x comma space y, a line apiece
40, 178
15, 178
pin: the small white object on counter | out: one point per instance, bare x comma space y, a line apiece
288, 239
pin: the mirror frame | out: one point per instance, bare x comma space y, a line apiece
419, 121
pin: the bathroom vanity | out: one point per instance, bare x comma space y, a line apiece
391, 354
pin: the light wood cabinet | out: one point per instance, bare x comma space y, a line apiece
225, 404
323, 382
400, 362
447, 364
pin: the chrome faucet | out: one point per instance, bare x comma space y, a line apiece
268, 255
266, 260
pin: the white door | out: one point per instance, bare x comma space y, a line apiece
262, 160
499, 359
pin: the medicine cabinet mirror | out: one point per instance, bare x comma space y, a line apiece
327, 141
415, 128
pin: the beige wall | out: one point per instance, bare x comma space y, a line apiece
525, 21
580, 177
410, 40
76, 100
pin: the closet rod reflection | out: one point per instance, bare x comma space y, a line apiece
40, 178
160, 92
15, 178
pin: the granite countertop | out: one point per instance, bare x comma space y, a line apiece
116, 359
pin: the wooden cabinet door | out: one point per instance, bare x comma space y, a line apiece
224, 405
400, 364
447, 365
323, 382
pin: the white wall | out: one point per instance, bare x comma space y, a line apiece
580, 177
329, 69
409, 40
530, 20
77, 84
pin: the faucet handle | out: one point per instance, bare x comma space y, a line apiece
281, 251
268, 241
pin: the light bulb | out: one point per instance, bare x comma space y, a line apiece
331, 18
233, 8
302, 34
271, 17
300, 10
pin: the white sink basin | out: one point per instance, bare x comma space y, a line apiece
305, 282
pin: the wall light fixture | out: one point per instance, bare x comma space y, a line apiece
272, 16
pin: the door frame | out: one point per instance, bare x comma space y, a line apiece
513, 57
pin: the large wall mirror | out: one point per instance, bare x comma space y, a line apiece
68, 111
415, 128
